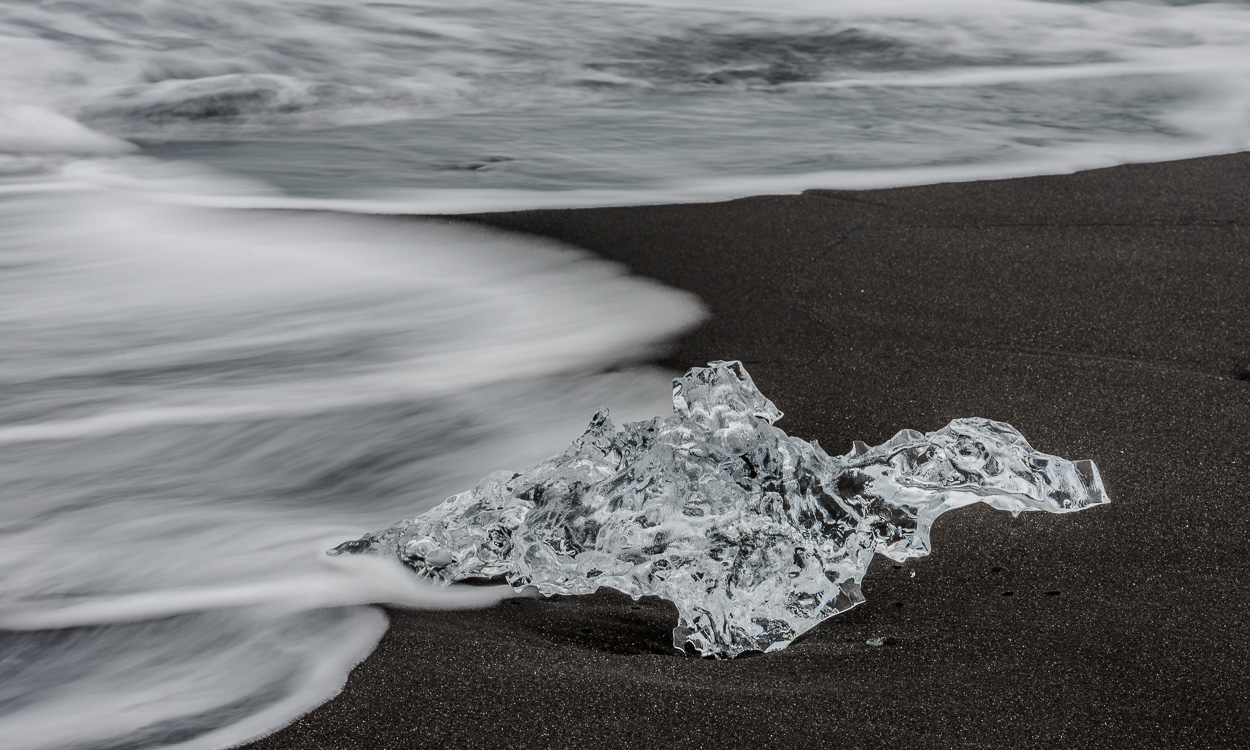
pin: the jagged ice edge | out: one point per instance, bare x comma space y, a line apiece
754, 535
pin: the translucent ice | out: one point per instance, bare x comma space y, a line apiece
756, 536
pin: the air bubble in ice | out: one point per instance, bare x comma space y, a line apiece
755, 535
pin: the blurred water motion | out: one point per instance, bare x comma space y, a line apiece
195, 404
423, 104
195, 400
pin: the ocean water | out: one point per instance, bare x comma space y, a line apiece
197, 398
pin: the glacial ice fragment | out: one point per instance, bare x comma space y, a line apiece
756, 536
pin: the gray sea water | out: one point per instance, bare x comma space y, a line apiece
197, 398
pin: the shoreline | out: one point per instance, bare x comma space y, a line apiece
1105, 314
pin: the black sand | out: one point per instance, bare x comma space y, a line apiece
1105, 314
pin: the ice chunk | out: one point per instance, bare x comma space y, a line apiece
756, 536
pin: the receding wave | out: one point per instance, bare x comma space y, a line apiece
195, 402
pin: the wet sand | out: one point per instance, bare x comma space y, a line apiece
1105, 314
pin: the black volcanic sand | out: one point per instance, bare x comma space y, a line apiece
1104, 314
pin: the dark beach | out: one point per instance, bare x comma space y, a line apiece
1105, 314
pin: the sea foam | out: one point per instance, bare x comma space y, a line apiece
195, 402
486, 105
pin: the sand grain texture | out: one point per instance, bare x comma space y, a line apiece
1105, 314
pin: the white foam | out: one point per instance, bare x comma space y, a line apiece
511, 64
27, 129
106, 706
196, 403
338, 583
1227, 137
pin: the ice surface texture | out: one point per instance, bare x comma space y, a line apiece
756, 536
